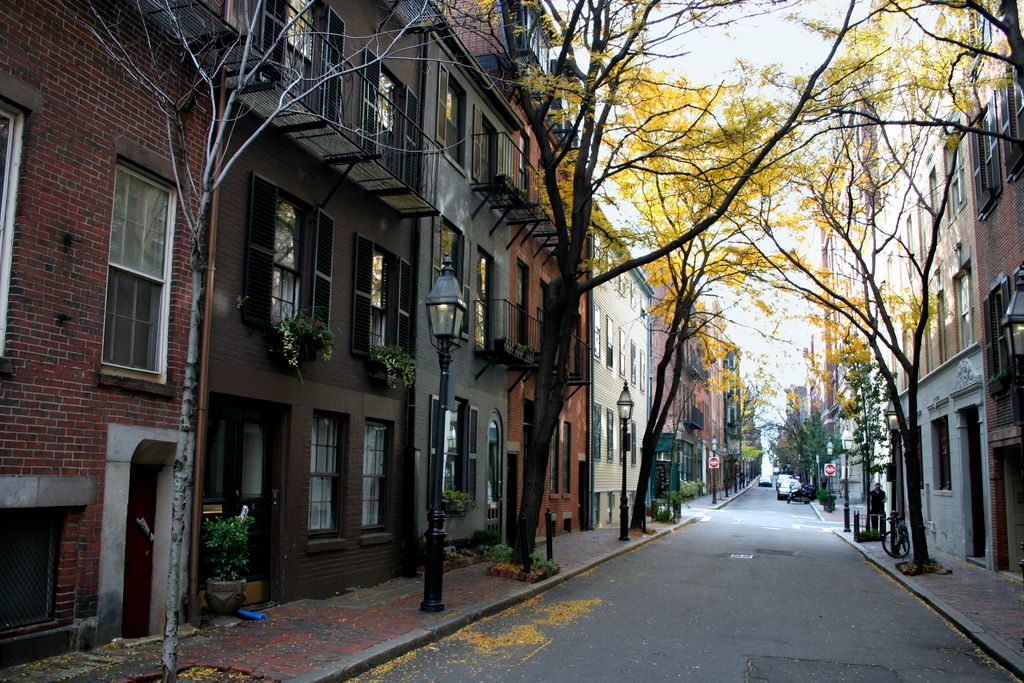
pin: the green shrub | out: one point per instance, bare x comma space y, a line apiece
689, 489
822, 496
500, 553
540, 563
484, 538
226, 540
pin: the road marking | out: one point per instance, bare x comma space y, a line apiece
741, 556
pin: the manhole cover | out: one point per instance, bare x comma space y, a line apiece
741, 556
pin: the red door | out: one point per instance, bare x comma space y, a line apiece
138, 551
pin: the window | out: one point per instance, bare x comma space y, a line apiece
987, 179
1011, 111
609, 353
484, 268
382, 298
137, 302
595, 433
31, 541
485, 141
994, 310
522, 335
566, 457
632, 361
632, 295
940, 447
279, 237
920, 456
451, 116
553, 457
597, 333
940, 324
610, 433
643, 372
611, 505
10, 155
622, 353
324, 482
375, 442
965, 309
455, 458
295, 52
333, 66
957, 184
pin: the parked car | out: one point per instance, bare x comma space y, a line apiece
785, 487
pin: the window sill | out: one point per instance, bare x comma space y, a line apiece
6, 366
326, 545
135, 384
374, 538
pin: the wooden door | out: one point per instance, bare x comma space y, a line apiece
138, 551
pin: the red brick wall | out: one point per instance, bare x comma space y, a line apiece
54, 410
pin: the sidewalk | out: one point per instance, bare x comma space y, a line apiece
987, 606
339, 637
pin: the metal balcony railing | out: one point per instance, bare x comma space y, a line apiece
696, 421
502, 171
510, 336
339, 108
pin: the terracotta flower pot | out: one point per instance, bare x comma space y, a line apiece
225, 597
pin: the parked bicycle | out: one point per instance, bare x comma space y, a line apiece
896, 539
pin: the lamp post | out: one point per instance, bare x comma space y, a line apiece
714, 472
625, 404
1013, 329
831, 500
445, 311
847, 447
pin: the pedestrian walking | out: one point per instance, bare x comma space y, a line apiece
876, 507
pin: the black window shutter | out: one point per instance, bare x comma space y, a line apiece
473, 418
371, 93
977, 143
333, 55
324, 265
411, 156
259, 264
362, 273
992, 338
405, 297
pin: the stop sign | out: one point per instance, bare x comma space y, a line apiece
830, 469
713, 462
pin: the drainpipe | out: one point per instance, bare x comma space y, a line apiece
202, 403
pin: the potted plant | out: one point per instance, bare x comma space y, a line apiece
301, 337
999, 382
396, 362
455, 502
226, 541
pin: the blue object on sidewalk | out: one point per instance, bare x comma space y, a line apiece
255, 616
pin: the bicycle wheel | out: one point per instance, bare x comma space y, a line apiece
887, 542
902, 548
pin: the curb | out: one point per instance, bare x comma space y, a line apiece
356, 664
992, 646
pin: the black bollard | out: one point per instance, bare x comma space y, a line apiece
856, 524
524, 537
550, 527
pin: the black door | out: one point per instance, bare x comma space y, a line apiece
237, 474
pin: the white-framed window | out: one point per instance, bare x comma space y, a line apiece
965, 309
597, 333
135, 334
10, 158
375, 439
324, 475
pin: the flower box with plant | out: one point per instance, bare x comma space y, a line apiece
999, 382
397, 364
301, 337
455, 502
503, 566
226, 545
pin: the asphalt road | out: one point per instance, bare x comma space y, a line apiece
758, 591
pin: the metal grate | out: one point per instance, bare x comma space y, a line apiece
29, 538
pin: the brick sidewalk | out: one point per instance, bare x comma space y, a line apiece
331, 639
986, 605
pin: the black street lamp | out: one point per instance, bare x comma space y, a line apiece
1013, 329
847, 447
714, 471
445, 311
625, 404
828, 451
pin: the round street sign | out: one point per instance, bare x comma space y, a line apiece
713, 462
830, 469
